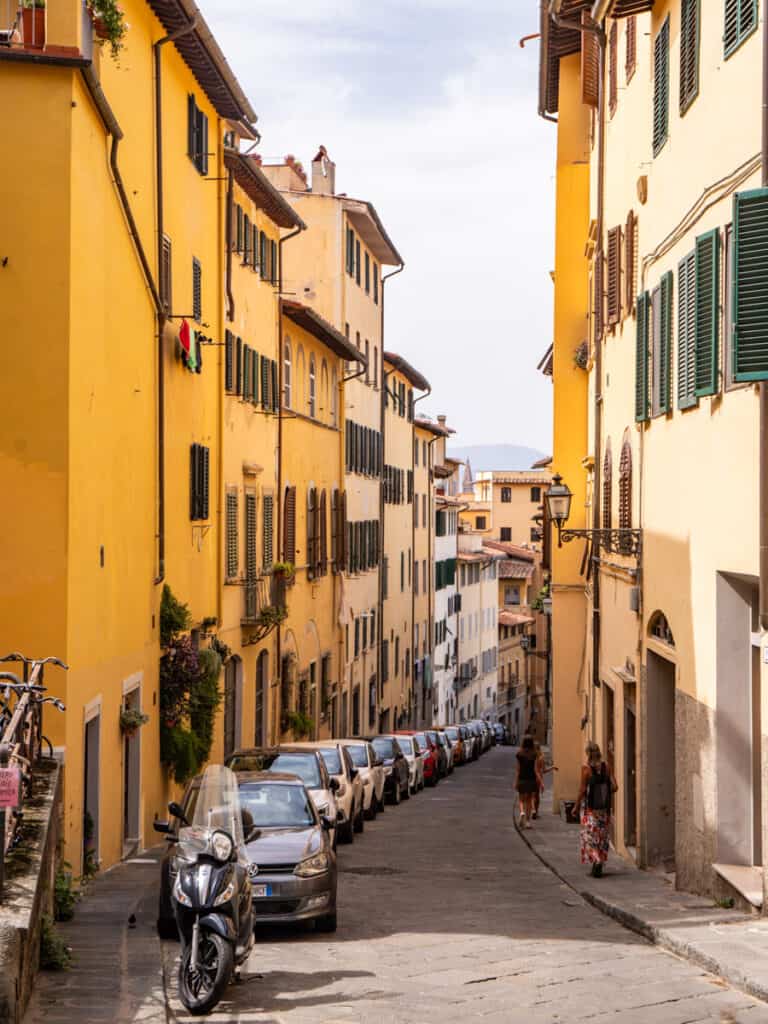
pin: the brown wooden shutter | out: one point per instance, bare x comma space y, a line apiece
165, 275
631, 47
250, 536
630, 261
268, 505
614, 277
625, 487
342, 531
590, 65
289, 526
613, 68
311, 533
597, 295
607, 491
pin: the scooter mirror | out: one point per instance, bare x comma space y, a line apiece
161, 826
177, 811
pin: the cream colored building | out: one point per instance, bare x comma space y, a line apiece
477, 676
670, 679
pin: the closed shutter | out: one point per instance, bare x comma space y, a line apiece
385, 661
204, 481
630, 261
342, 532
246, 239
194, 483
311, 533
273, 382
740, 21
238, 228
229, 360
268, 517
192, 146
641, 359
631, 47
246, 372
661, 87
239, 366
614, 276
254, 247
232, 537
607, 510
613, 68
255, 377
289, 526
165, 275
663, 346
265, 401
203, 130
689, 53
273, 262
263, 268
598, 295
250, 537
347, 445
707, 312
334, 531
357, 261
197, 291
323, 552
750, 285
686, 332
590, 65
625, 492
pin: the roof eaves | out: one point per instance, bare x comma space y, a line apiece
310, 321
357, 208
257, 185
409, 372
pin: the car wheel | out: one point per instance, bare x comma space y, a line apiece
348, 832
359, 821
166, 929
396, 795
328, 923
407, 791
382, 803
370, 814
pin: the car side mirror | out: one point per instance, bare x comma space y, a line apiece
335, 785
177, 811
162, 826
326, 823
252, 834
353, 773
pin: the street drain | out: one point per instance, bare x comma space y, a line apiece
372, 870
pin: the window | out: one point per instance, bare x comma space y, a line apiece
506, 495
350, 252
607, 510
229, 361
402, 571
613, 68
630, 260
661, 346
511, 594
728, 366
707, 312
322, 536
740, 22
613, 296
375, 366
312, 388
597, 295
263, 256
246, 239
313, 537
232, 558
255, 247
480, 522
357, 638
267, 533
287, 375
289, 526
197, 290
376, 283
661, 88
631, 47
250, 536
536, 495
416, 512
689, 52
197, 135
357, 261
238, 228
750, 284
686, 332
367, 274
641, 358
274, 262
334, 397
385, 661
396, 665
165, 275
199, 474
506, 533
625, 490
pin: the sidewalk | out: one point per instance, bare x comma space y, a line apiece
724, 942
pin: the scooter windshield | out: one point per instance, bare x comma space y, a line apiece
218, 804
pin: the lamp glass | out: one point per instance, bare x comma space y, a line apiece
559, 501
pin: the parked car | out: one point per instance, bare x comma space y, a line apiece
410, 747
440, 753
294, 760
471, 746
429, 757
293, 865
502, 734
371, 769
442, 739
349, 789
453, 733
395, 767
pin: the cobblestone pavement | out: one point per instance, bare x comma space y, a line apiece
445, 916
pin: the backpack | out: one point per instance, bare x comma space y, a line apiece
599, 790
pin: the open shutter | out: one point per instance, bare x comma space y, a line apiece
750, 285
239, 366
194, 486
232, 535
246, 372
322, 555
268, 517
613, 68
204, 481
250, 537
275, 393
665, 344
707, 311
264, 382
273, 260
641, 359
631, 47
614, 276
203, 141
590, 66
661, 87
334, 531
686, 332
630, 261
342, 538
254, 377
192, 146
229, 360
289, 526
598, 295
311, 534
689, 53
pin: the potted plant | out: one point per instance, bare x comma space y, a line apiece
109, 23
131, 720
283, 570
33, 24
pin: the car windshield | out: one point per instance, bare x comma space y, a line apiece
332, 760
303, 765
452, 734
384, 747
359, 755
406, 744
277, 805
421, 739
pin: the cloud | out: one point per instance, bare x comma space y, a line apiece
428, 108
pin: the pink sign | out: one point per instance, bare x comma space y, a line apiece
9, 787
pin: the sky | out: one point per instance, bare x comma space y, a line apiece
428, 109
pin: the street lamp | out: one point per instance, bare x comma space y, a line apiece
558, 496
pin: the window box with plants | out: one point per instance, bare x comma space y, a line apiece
109, 24
131, 720
33, 24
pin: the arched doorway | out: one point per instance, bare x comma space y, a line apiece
260, 715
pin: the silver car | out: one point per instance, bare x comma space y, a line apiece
371, 769
413, 755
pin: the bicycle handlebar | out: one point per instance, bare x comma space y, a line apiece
16, 656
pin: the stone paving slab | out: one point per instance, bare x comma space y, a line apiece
725, 942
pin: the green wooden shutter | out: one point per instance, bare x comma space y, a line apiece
246, 372
232, 545
255, 377
686, 332
264, 382
689, 52
661, 87
275, 391
740, 21
750, 285
707, 311
665, 344
641, 358
267, 506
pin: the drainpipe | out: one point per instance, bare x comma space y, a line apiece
763, 509
228, 237
162, 314
382, 410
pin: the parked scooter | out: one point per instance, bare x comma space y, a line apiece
212, 900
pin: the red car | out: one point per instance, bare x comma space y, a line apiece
429, 755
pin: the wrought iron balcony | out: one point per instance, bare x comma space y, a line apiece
264, 604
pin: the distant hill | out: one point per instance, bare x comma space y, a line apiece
497, 456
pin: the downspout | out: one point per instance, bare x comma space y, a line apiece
228, 236
382, 410
162, 313
763, 509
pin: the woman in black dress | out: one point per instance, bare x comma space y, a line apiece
528, 779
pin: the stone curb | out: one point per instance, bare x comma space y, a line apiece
662, 937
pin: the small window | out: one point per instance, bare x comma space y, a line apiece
367, 359
357, 261
481, 522
376, 283
506, 534
367, 274
197, 135
246, 239
536, 495
506, 495
287, 375
199, 476
197, 291
312, 388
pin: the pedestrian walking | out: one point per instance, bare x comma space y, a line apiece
543, 770
596, 802
528, 780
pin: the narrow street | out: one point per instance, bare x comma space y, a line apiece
445, 915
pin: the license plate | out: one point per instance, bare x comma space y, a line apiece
260, 891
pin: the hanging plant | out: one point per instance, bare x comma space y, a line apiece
174, 617
131, 720
299, 723
109, 23
284, 570
581, 356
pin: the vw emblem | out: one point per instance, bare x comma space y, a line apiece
253, 870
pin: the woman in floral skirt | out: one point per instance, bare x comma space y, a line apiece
596, 802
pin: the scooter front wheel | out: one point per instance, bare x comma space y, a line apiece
201, 988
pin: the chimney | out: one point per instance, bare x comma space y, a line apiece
323, 174
441, 420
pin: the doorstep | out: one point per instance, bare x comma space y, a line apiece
746, 879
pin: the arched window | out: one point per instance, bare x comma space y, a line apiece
334, 397
607, 490
287, 375
625, 490
322, 555
312, 388
324, 390
660, 629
